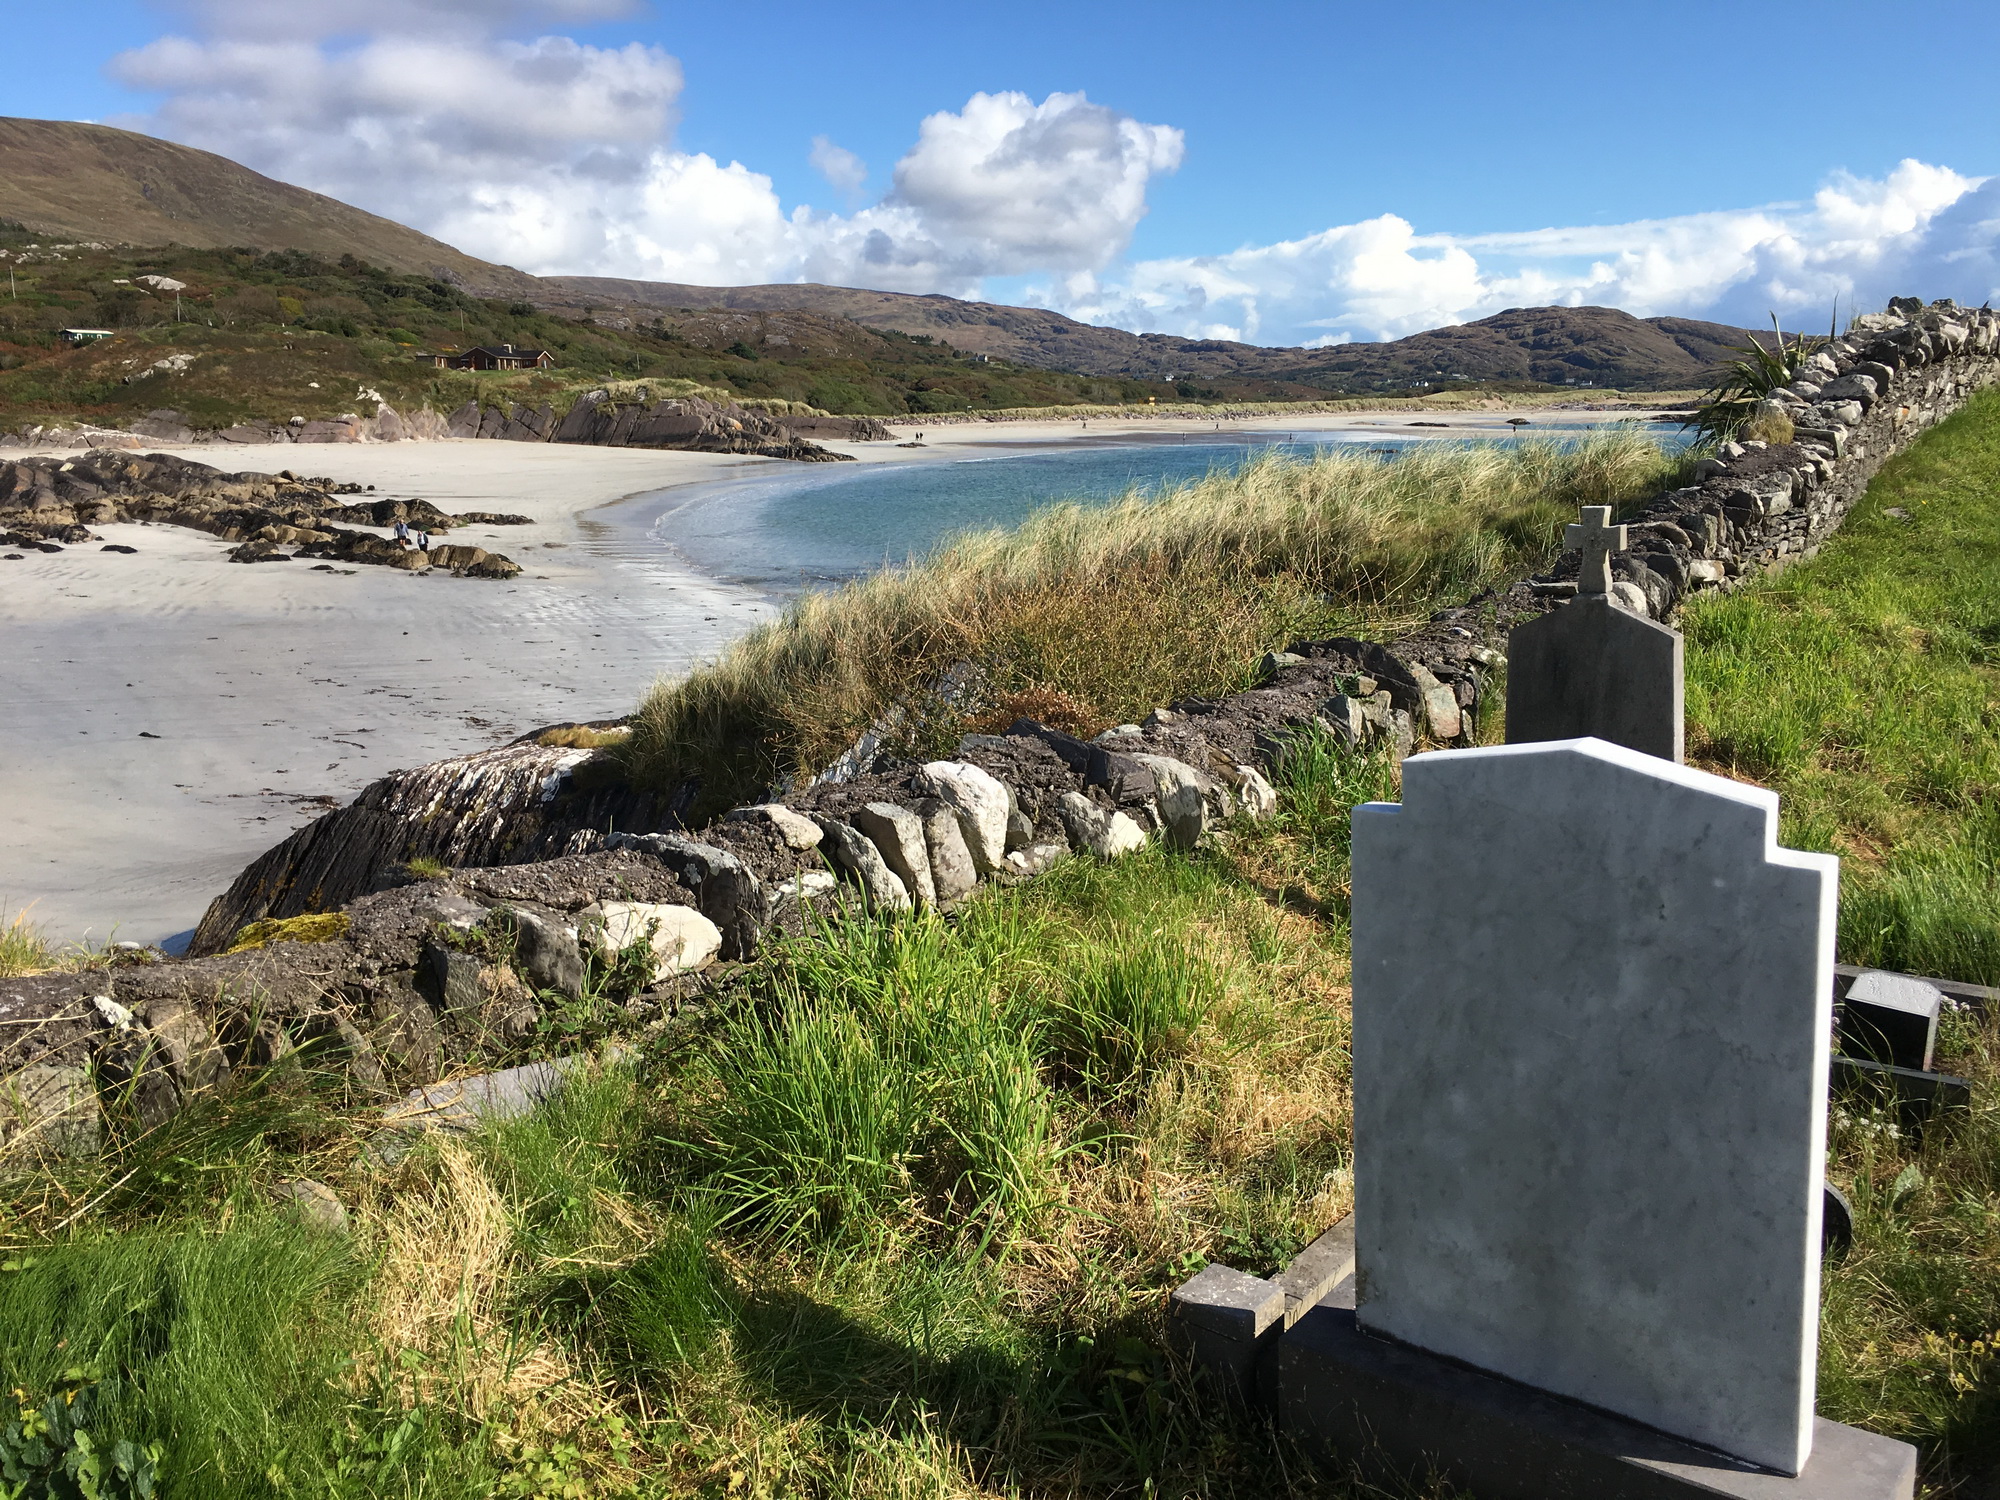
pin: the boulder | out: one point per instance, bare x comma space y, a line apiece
855, 855
548, 951
48, 1111
1183, 798
797, 830
1098, 830
952, 871
681, 938
899, 834
980, 802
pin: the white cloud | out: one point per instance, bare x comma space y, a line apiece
1922, 230
557, 156
842, 169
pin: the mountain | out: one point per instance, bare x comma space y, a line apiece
94, 183
90, 182
1544, 345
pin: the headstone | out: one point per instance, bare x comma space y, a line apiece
1593, 667
1891, 1018
1591, 1039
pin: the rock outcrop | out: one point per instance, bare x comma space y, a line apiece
49, 503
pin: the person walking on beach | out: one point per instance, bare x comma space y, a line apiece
401, 531
423, 541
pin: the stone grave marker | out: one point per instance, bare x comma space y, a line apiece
1591, 1038
1593, 667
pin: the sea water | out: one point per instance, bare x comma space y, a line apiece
812, 526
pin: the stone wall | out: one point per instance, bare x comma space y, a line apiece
377, 989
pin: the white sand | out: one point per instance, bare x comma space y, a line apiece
277, 691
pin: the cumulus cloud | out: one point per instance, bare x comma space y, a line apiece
841, 168
557, 156
1924, 230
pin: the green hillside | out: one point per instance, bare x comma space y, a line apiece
275, 334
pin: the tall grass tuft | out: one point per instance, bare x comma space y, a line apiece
24, 949
1132, 604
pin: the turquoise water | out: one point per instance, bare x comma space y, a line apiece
803, 527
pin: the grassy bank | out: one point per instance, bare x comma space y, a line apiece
1864, 686
1094, 615
896, 1218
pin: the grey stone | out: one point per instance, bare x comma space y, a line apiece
549, 951
1036, 858
1852, 386
1096, 830
450, 980
899, 834
1020, 829
855, 853
1590, 1057
727, 890
1222, 1319
1228, 1302
981, 803
1632, 596
48, 1110
1440, 705
1258, 797
312, 1203
1594, 668
1343, 718
1401, 1414
679, 937
1891, 1018
1183, 796
188, 1045
796, 829
952, 870
1401, 735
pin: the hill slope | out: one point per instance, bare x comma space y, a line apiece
94, 183
91, 182
1548, 345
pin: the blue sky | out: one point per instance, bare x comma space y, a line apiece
1285, 173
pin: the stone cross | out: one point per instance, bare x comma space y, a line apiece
1598, 539
1592, 1013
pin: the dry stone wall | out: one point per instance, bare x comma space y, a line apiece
382, 989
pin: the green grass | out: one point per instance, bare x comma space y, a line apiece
1119, 608
898, 1213
1862, 685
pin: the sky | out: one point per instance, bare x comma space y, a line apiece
1276, 173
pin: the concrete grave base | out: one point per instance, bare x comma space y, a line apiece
1397, 1412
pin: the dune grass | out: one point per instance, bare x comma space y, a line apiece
1126, 606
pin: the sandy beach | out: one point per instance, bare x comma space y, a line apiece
170, 715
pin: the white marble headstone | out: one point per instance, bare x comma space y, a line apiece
1592, 1000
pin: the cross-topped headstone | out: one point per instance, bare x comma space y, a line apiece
1593, 667
1598, 539
1592, 1005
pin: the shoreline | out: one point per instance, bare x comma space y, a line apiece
173, 715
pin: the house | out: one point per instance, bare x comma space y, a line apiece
505, 357
75, 336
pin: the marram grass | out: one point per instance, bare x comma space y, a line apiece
1125, 606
